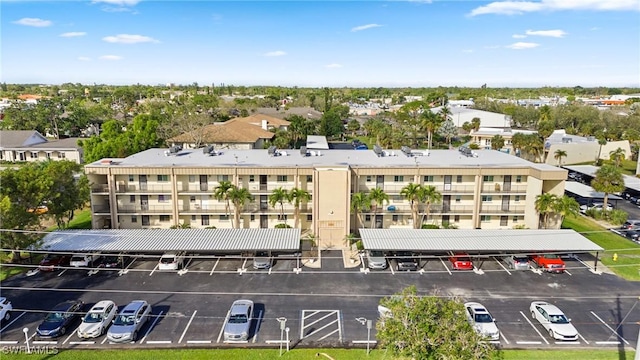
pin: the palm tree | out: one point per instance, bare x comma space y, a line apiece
379, 197
566, 205
602, 142
430, 122
359, 202
608, 180
279, 196
558, 155
238, 197
429, 195
497, 142
617, 156
298, 196
545, 204
412, 193
221, 193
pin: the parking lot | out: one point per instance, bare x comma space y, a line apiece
325, 306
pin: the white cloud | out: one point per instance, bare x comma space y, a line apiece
129, 39
333, 66
35, 22
84, 58
275, 53
118, 2
522, 45
518, 36
110, 57
365, 27
467, 51
73, 34
520, 7
549, 33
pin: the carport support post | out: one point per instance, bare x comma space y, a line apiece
369, 325
595, 264
283, 322
637, 357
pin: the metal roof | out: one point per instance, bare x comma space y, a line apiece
317, 142
158, 240
476, 240
586, 191
630, 182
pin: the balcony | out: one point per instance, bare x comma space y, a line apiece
144, 189
452, 209
499, 209
454, 188
255, 187
100, 188
101, 209
134, 209
500, 188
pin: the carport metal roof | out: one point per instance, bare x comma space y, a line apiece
158, 240
586, 191
477, 240
630, 182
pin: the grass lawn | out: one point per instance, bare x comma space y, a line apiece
337, 354
628, 262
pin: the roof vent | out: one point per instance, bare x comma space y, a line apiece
378, 150
406, 150
467, 152
210, 150
303, 151
272, 151
174, 150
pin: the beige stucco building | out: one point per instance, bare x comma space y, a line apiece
153, 189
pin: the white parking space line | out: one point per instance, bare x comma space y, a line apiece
364, 341
323, 327
81, 342
445, 266
69, 337
244, 264
500, 263
42, 342
14, 320
567, 342
187, 328
504, 338
329, 334
104, 340
534, 327
607, 342
391, 268
567, 271
198, 341
583, 339
528, 342
322, 318
214, 266
62, 272
159, 342
151, 327
613, 332
226, 318
154, 269
310, 315
258, 322
8, 342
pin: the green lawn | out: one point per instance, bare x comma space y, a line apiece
628, 262
337, 354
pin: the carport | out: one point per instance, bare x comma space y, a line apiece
585, 194
479, 241
631, 183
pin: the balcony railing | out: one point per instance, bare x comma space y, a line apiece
162, 209
100, 188
500, 188
104, 209
251, 207
499, 209
454, 188
149, 188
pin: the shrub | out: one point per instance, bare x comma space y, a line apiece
617, 217
282, 226
430, 226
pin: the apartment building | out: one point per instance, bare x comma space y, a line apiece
157, 188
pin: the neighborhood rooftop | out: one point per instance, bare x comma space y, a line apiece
292, 157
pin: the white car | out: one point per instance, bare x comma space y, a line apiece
98, 319
238, 325
171, 261
553, 320
482, 321
5, 309
595, 206
82, 260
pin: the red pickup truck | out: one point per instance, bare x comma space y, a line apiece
549, 262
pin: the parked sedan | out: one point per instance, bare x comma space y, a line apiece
62, 317
5, 309
406, 262
51, 261
517, 262
632, 235
129, 321
482, 321
553, 320
461, 261
262, 260
376, 260
98, 319
239, 322
595, 206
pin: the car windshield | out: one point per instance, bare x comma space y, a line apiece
238, 319
125, 320
558, 319
111, 260
167, 260
93, 318
376, 253
54, 317
483, 318
262, 254
520, 259
77, 258
463, 258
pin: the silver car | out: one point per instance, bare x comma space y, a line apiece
129, 321
376, 260
262, 260
239, 322
517, 262
97, 319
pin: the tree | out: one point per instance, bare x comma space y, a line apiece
429, 195
353, 125
412, 192
617, 156
608, 180
566, 206
448, 130
279, 196
475, 123
545, 206
558, 155
239, 197
359, 202
297, 197
221, 193
497, 142
65, 193
602, 142
431, 122
379, 198
429, 327
331, 121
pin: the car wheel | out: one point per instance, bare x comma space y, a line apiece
135, 336
551, 334
63, 331
102, 331
7, 316
533, 315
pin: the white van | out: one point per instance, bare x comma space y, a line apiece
171, 261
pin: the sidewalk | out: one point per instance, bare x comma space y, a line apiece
313, 259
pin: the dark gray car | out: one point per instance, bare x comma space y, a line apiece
129, 321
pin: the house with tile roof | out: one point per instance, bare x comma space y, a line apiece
30, 145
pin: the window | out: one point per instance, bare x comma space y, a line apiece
504, 220
515, 219
518, 178
252, 218
428, 178
485, 218
281, 178
131, 178
368, 178
145, 220
282, 217
205, 219
224, 217
394, 218
487, 142
367, 218
459, 178
61, 155
193, 218
517, 198
458, 198
132, 198
163, 198
456, 218
192, 178
398, 178
487, 198
192, 199
252, 178
163, 178
309, 178
165, 218
34, 155
487, 178
309, 217
134, 219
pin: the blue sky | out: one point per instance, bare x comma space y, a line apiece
329, 43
